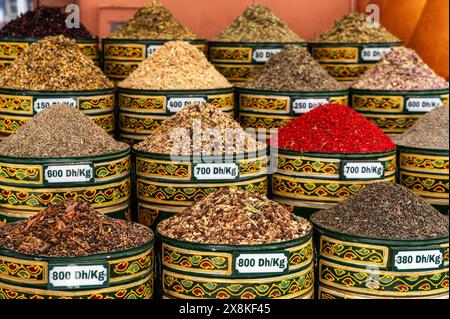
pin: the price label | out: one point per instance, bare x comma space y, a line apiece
78, 276
424, 259
216, 171
263, 55
174, 104
152, 48
361, 170
300, 106
374, 54
82, 173
259, 263
42, 104
422, 104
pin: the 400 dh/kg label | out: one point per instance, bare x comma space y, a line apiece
261, 263
419, 259
69, 277
360, 170
176, 103
216, 171
73, 173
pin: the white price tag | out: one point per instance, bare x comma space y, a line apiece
300, 106
422, 104
216, 171
77, 276
55, 174
261, 263
174, 104
42, 104
263, 55
362, 170
425, 259
152, 48
374, 54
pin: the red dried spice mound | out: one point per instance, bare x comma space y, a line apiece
332, 128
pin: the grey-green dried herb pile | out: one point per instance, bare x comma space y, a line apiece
60, 131
54, 64
430, 132
235, 217
384, 211
176, 65
199, 129
258, 24
353, 28
294, 69
72, 228
153, 21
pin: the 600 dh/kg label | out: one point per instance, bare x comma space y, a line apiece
81, 173
422, 104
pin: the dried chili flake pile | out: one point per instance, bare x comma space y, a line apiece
384, 211
235, 217
332, 128
176, 65
401, 69
72, 228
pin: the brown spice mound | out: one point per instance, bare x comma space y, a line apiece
181, 135
54, 64
72, 228
60, 131
176, 65
384, 211
235, 217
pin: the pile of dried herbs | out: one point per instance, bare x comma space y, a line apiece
294, 69
401, 69
176, 65
72, 228
354, 28
153, 22
430, 132
54, 64
258, 24
60, 131
384, 211
235, 217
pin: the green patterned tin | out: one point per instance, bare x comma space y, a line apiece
348, 61
425, 172
17, 107
125, 274
142, 111
307, 182
123, 56
358, 267
328, 293
272, 271
242, 61
27, 185
396, 111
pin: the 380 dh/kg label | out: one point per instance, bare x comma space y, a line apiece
423, 259
75, 173
70, 277
261, 263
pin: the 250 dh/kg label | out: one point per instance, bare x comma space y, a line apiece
258, 263
41, 104
361, 170
216, 171
77, 173
300, 106
424, 259
78, 276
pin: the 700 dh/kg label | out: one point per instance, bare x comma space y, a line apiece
361, 170
216, 171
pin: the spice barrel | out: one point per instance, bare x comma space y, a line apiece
165, 185
194, 271
241, 61
126, 274
270, 110
307, 182
396, 111
347, 61
142, 111
11, 48
425, 172
356, 267
28, 185
123, 56
17, 107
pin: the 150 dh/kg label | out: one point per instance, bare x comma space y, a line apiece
361, 170
424, 259
261, 263
174, 104
263, 55
77, 173
300, 106
421, 104
41, 104
77, 276
216, 171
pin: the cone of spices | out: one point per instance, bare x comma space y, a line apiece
240, 242
328, 154
195, 152
150, 27
423, 158
242, 49
59, 154
52, 71
398, 91
174, 76
290, 84
70, 251
352, 45
384, 242
17, 35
